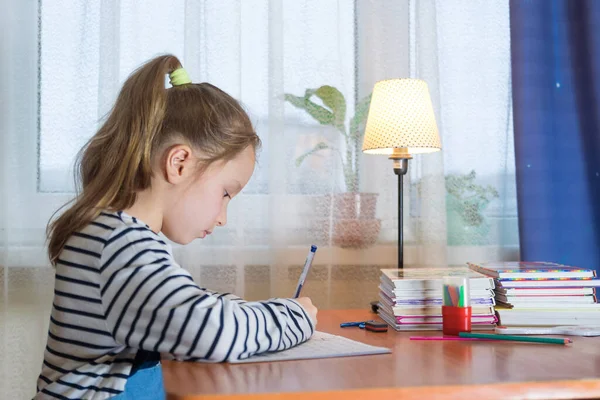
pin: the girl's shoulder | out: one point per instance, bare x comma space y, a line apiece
112, 238
114, 229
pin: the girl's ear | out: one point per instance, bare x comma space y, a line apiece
178, 164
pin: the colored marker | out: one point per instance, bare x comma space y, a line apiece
307, 264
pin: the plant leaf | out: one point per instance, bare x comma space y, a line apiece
318, 147
319, 113
296, 101
334, 99
360, 118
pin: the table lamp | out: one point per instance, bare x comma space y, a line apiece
401, 123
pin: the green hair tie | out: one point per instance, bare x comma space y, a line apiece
179, 77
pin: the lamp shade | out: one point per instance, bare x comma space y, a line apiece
401, 119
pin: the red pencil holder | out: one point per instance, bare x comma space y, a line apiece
455, 320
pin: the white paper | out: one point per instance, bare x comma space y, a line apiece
320, 345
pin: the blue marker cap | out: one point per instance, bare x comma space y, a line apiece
348, 324
313, 248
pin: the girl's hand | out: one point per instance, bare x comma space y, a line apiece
310, 309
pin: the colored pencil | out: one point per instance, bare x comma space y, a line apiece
446, 338
447, 297
453, 295
515, 338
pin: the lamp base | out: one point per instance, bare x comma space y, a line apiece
400, 169
400, 160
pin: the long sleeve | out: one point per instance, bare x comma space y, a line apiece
151, 303
228, 296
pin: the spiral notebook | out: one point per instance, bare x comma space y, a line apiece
320, 345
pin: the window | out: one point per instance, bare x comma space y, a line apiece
257, 51
252, 50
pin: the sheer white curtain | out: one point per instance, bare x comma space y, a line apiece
258, 51
63, 62
462, 49
460, 204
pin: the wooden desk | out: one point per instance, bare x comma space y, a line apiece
415, 369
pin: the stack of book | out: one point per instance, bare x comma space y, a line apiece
542, 293
410, 299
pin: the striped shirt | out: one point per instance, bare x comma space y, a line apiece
119, 290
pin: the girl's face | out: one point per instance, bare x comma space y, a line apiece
199, 204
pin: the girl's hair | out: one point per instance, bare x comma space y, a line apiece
117, 161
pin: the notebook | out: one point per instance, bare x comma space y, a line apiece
431, 278
549, 283
547, 317
571, 301
531, 270
387, 317
432, 310
475, 319
320, 345
426, 294
521, 292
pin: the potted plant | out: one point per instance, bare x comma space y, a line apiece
354, 222
465, 202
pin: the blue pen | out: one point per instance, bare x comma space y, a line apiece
307, 264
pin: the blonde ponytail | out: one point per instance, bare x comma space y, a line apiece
117, 161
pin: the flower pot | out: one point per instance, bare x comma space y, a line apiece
353, 218
353, 205
355, 233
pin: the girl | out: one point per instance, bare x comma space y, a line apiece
170, 161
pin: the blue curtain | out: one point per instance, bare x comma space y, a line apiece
555, 46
